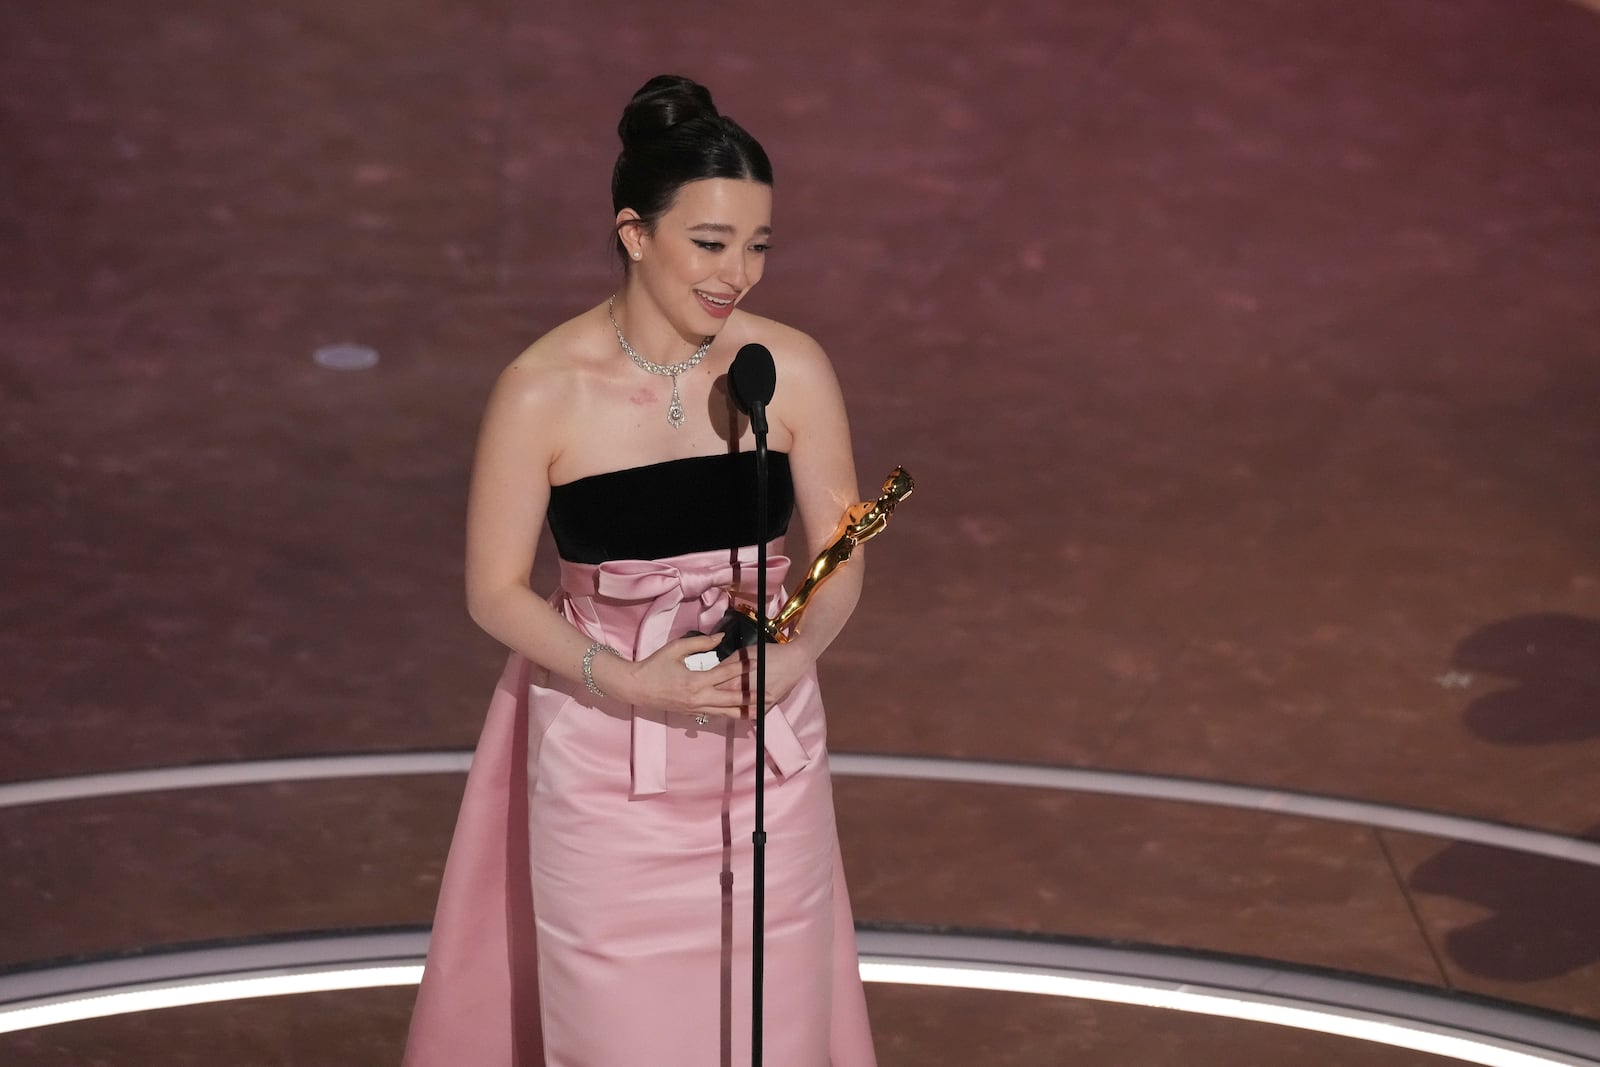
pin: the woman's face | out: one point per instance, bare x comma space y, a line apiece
705, 253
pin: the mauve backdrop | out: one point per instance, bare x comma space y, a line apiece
1247, 355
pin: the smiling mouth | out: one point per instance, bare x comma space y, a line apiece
719, 301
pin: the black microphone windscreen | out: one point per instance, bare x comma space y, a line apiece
752, 378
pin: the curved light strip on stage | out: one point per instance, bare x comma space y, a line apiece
1464, 1029
860, 765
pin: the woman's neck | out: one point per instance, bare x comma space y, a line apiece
648, 329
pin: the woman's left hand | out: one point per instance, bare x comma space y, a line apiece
786, 665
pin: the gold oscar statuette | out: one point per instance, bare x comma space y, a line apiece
860, 523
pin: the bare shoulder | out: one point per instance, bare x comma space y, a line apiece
546, 377
795, 353
538, 399
544, 365
807, 402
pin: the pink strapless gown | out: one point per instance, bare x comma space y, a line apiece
595, 909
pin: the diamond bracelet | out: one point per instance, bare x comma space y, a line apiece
588, 665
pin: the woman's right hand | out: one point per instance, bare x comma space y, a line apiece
662, 681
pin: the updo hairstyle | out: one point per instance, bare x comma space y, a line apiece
671, 135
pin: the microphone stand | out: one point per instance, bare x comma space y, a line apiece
758, 884
751, 378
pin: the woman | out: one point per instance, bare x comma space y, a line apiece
595, 910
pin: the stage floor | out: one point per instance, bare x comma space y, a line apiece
1246, 354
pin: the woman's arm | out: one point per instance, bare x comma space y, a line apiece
523, 428
811, 409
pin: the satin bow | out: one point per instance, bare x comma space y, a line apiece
670, 588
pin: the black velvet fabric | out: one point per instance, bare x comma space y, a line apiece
670, 508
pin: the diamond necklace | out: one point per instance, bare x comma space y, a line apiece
671, 370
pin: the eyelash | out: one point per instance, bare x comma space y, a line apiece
717, 246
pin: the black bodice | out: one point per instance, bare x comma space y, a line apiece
694, 504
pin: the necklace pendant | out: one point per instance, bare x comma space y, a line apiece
675, 409
674, 412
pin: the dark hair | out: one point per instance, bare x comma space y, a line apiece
672, 134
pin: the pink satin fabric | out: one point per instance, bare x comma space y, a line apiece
595, 909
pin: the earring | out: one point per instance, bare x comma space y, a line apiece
638, 255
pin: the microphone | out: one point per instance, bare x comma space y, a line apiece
752, 379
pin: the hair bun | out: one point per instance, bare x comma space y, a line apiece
672, 134
661, 103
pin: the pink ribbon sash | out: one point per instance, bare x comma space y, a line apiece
640, 605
